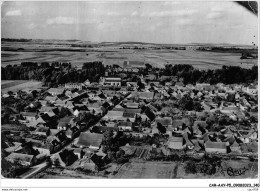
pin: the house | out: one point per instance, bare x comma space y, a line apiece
215, 147
51, 99
29, 116
101, 129
71, 132
23, 159
202, 86
229, 110
73, 86
91, 140
199, 127
235, 148
129, 116
13, 147
166, 121
132, 105
64, 123
56, 91
87, 83
124, 126
150, 114
41, 130
114, 115
146, 95
132, 84
79, 152
251, 90
175, 143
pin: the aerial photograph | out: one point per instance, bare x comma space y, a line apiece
129, 90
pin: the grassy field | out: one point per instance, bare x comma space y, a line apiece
148, 170
175, 170
16, 85
111, 54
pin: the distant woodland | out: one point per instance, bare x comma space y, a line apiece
226, 75
60, 73
54, 73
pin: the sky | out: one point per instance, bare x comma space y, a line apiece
118, 21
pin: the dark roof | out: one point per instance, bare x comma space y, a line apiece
132, 110
177, 123
106, 105
164, 121
30, 114
90, 139
150, 114
215, 145
124, 123
128, 115
66, 119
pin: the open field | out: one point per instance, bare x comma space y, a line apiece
16, 85
15, 53
148, 170
175, 170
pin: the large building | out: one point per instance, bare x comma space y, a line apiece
73, 86
111, 81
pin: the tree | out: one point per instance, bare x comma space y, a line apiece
10, 93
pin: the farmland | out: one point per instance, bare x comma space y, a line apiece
171, 170
113, 53
16, 85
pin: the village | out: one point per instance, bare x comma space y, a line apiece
96, 127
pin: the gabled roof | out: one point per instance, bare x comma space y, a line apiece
56, 90
19, 156
29, 114
150, 114
124, 123
115, 113
90, 139
129, 115
175, 143
215, 145
164, 121
50, 98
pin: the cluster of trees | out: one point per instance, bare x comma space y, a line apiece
226, 75
186, 103
208, 165
111, 144
53, 74
16, 40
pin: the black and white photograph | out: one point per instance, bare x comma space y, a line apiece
110, 90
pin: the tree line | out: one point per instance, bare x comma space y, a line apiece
53, 74
226, 75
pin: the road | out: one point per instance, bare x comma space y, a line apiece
36, 169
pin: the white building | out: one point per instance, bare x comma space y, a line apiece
73, 86
110, 81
